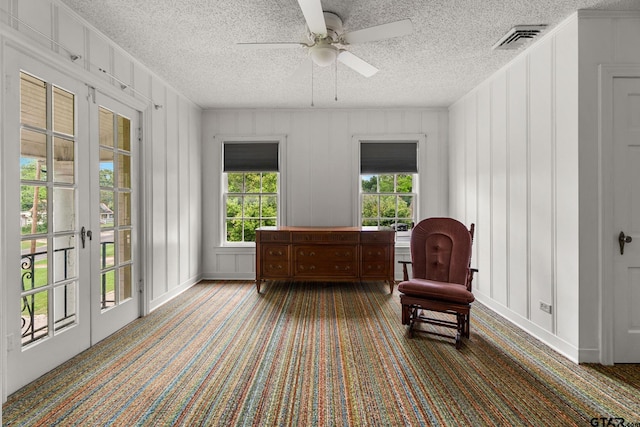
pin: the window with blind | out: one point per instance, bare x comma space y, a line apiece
388, 174
251, 191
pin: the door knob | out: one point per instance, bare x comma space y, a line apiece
84, 233
622, 239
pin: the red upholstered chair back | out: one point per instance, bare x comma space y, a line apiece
441, 250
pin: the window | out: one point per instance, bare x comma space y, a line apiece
388, 176
116, 193
49, 257
251, 188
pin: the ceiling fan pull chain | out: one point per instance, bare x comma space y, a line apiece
336, 77
312, 84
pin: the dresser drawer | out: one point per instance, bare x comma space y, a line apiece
275, 269
375, 269
319, 237
334, 253
338, 261
320, 268
375, 253
274, 252
378, 237
273, 236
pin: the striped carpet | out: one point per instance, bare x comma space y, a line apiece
317, 354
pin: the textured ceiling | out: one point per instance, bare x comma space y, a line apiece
191, 44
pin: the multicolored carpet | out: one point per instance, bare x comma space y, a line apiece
318, 354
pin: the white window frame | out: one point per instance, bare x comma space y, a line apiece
252, 139
421, 140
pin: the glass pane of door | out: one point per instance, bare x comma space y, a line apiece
49, 259
115, 209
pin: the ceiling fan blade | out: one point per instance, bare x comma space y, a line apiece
357, 64
380, 32
274, 45
312, 11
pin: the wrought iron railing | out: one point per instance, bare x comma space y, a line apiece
103, 264
31, 329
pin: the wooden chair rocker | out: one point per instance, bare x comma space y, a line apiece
441, 282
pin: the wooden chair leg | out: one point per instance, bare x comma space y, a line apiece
467, 328
412, 315
405, 314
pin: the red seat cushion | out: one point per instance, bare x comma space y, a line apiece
431, 289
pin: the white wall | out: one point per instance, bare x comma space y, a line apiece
514, 172
171, 141
318, 169
525, 168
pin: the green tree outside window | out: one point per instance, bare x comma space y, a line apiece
387, 199
251, 201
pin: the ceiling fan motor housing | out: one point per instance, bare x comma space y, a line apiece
334, 25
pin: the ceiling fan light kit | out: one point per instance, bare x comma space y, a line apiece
323, 54
329, 42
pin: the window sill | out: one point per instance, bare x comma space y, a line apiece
233, 245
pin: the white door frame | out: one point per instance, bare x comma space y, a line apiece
607, 245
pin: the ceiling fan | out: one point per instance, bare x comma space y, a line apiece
328, 42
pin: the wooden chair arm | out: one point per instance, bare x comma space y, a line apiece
471, 272
405, 272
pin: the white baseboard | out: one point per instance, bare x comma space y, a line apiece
228, 276
561, 346
154, 304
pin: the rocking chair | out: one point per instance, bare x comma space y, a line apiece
441, 282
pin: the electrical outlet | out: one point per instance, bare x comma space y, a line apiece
545, 307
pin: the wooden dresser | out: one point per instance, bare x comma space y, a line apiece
325, 254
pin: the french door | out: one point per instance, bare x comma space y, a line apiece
73, 153
115, 287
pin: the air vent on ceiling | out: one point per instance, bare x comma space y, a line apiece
518, 36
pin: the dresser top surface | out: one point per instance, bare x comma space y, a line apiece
323, 229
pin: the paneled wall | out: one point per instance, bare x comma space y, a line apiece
171, 130
319, 170
174, 206
525, 166
514, 172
